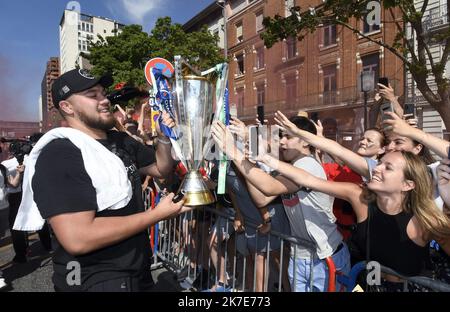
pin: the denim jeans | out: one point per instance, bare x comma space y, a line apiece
302, 281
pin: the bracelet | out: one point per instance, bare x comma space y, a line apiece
164, 142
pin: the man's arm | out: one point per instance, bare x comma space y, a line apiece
164, 161
347, 191
351, 159
163, 166
258, 197
269, 186
14, 181
81, 232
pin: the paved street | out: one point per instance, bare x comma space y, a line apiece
35, 275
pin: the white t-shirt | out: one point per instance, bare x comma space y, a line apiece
310, 215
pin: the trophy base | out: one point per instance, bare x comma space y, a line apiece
195, 191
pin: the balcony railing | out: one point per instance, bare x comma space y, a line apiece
344, 97
437, 18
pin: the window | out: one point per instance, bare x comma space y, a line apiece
260, 94
259, 21
329, 35
291, 45
329, 84
92, 28
239, 35
288, 4
260, 58
240, 98
83, 27
104, 31
291, 90
371, 62
79, 27
240, 64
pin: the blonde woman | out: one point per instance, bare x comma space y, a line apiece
398, 198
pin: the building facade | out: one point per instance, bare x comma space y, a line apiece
50, 117
319, 75
435, 21
17, 130
212, 17
76, 32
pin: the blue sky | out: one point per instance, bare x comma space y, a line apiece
29, 36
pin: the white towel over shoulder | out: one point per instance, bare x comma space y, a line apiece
106, 170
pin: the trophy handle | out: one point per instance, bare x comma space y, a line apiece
222, 71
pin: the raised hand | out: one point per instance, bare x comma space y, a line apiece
286, 125
239, 128
167, 209
396, 124
20, 168
166, 120
319, 128
387, 92
224, 140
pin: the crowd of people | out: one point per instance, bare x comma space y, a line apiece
384, 202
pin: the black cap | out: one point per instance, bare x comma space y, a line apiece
75, 81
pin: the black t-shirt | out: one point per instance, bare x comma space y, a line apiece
62, 185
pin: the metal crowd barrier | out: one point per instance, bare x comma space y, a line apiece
178, 242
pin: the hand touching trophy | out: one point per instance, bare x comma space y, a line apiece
194, 95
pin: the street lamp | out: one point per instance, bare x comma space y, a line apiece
222, 4
367, 85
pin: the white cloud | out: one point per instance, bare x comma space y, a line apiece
136, 11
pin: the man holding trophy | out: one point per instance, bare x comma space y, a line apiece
85, 180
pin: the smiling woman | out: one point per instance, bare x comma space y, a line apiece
397, 202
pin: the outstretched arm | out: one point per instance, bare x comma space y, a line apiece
347, 191
401, 127
351, 159
268, 187
82, 232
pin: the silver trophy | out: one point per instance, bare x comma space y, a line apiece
194, 97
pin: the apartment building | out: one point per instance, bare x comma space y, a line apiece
77, 31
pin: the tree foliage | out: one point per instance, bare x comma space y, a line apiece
415, 53
125, 54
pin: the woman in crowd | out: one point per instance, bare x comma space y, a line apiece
396, 214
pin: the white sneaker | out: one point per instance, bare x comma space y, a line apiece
2, 283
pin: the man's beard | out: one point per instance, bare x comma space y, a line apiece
98, 123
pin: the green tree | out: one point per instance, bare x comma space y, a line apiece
125, 54
415, 53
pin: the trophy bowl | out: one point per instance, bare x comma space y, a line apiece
193, 102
